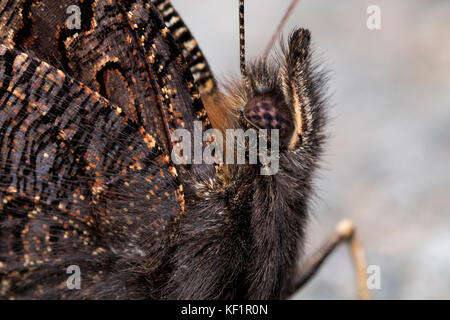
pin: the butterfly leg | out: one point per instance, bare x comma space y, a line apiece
345, 232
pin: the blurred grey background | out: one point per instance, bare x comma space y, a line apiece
387, 166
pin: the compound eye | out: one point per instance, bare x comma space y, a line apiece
266, 112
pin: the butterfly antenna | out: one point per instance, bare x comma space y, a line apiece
280, 27
242, 40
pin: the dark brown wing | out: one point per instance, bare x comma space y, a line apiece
79, 184
123, 50
87, 181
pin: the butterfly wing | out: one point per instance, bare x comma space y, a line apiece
80, 183
86, 180
191, 51
123, 50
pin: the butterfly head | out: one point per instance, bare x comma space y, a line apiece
284, 95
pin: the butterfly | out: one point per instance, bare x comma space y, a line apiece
87, 117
